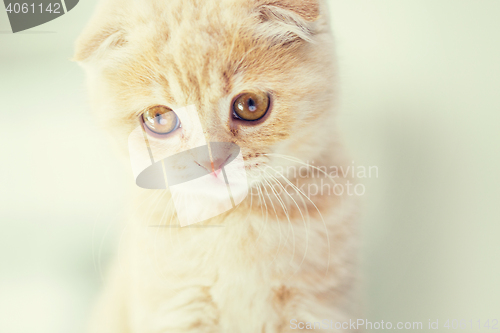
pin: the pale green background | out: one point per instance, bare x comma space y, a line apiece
420, 84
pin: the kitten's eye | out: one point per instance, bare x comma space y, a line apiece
161, 120
251, 106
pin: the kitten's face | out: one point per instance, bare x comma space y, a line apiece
259, 73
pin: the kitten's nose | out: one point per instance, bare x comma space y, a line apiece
213, 166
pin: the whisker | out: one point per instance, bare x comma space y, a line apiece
319, 212
265, 205
277, 220
295, 159
282, 203
300, 211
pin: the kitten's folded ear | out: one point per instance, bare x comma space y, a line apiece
307, 9
288, 20
102, 33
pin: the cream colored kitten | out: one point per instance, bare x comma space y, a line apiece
278, 256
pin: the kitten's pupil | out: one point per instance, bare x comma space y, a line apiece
251, 105
159, 119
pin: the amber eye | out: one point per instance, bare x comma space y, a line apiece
251, 106
161, 120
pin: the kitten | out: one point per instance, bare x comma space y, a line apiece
261, 74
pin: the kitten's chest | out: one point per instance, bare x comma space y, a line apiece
212, 268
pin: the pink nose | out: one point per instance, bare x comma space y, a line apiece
216, 173
214, 166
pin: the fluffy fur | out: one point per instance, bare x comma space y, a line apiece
275, 257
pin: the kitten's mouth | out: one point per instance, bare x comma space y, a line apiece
215, 174
204, 181
214, 167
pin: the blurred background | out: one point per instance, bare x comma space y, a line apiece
420, 83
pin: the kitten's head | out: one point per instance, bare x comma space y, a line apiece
259, 73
